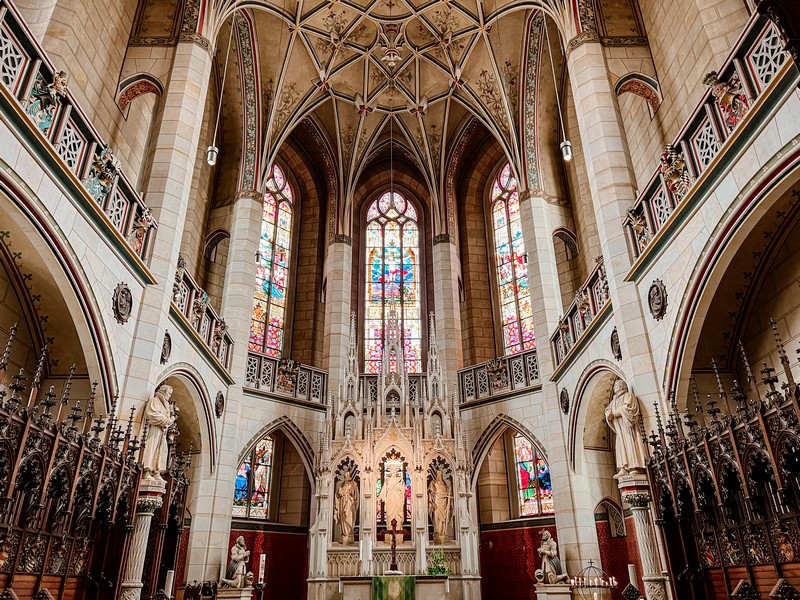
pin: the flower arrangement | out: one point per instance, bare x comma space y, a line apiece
437, 564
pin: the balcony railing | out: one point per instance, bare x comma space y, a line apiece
42, 94
499, 376
731, 93
285, 377
192, 302
589, 299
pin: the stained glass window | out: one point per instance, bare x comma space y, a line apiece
516, 313
533, 479
251, 490
272, 267
393, 278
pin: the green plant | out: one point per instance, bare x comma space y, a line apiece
437, 564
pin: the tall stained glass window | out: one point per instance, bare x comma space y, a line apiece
251, 491
268, 320
512, 271
533, 479
392, 278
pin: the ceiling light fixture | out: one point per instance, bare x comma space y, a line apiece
212, 153
566, 145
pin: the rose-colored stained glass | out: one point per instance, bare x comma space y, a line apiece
535, 492
272, 269
392, 254
512, 270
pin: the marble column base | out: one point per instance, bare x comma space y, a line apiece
235, 593
553, 591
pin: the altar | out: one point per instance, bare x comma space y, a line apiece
421, 587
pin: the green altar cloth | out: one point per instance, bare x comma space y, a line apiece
393, 588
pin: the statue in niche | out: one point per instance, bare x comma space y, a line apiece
393, 495
345, 506
237, 576
440, 506
160, 416
552, 571
622, 416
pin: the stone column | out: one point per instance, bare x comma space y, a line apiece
577, 536
169, 183
151, 497
37, 15
612, 185
338, 299
211, 508
636, 492
446, 271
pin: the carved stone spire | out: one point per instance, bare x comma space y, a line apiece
782, 352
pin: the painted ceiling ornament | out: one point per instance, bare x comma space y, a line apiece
392, 38
730, 97
657, 299
166, 348
219, 404
122, 303
563, 399
616, 349
676, 174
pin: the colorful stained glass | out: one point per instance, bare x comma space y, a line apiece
533, 479
252, 485
392, 252
512, 270
272, 268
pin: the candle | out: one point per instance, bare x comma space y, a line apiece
262, 567
168, 583
632, 575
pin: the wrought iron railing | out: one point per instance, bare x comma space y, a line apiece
285, 377
192, 302
499, 376
42, 93
731, 93
590, 298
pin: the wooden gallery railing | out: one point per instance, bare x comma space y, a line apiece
68, 491
726, 487
41, 92
731, 94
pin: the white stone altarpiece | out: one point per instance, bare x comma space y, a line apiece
393, 448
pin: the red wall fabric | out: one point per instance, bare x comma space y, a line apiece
287, 562
509, 561
617, 553
183, 551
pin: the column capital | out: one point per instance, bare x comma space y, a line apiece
583, 38
340, 238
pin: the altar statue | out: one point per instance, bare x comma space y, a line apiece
160, 416
551, 571
393, 494
440, 506
622, 416
237, 576
345, 506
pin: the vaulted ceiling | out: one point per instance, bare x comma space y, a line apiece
364, 72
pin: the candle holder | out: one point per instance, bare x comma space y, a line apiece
593, 584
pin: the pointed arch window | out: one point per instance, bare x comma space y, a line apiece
268, 320
252, 487
516, 313
393, 277
535, 491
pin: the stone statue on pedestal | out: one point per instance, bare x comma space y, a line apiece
440, 506
393, 494
237, 576
345, 506
160, 415
552, 571
622, 416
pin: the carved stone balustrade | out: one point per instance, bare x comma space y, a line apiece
510, 374
732, 92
